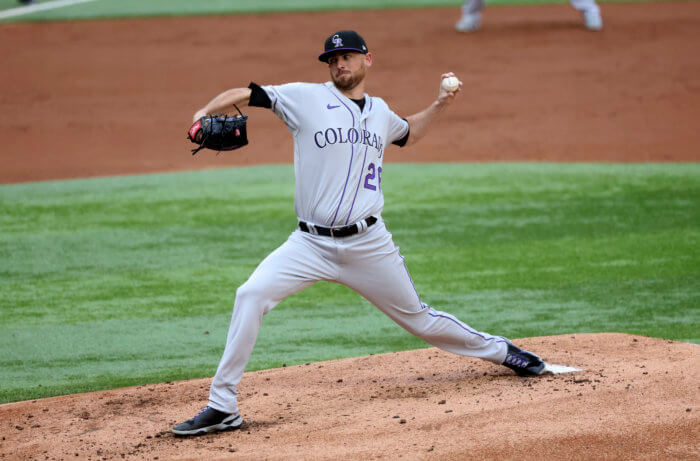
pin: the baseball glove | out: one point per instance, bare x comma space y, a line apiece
219, 132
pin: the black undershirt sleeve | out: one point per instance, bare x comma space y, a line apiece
258, 97
402, 142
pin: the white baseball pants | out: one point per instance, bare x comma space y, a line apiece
368, 263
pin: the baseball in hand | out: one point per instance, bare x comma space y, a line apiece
450, 84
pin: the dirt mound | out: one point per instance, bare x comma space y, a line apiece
636, 398
97, 98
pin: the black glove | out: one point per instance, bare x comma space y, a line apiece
219, 132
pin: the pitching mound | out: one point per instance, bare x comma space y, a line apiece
636, 398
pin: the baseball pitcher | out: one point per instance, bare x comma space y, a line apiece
340, 136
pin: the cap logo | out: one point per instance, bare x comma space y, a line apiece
337, 41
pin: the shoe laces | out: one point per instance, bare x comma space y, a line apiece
202, 412
517, 360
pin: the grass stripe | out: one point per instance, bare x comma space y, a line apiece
129, 280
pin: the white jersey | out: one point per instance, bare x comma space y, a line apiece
338, 150
338, 153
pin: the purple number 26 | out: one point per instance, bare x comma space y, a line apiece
370, 176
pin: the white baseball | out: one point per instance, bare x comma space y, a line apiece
450, 84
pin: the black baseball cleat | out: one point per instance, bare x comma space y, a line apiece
209, 420
524, 363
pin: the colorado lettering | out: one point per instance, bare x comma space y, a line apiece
353, 136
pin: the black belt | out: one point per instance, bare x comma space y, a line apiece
338, 231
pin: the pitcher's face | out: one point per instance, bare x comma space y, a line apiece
348, 68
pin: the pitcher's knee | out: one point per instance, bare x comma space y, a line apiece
417, 324
436, 327
252, 299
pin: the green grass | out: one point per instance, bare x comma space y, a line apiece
140, 8
130, 280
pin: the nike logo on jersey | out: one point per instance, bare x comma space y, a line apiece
328, 106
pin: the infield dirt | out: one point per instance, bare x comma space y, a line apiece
116, 97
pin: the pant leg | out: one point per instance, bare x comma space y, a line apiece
472, 6
585, 5
289, 269
375, 269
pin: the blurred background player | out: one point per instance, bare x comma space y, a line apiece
471, 15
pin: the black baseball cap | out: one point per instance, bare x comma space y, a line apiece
343, 40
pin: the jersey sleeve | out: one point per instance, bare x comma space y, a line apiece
402, 141
398, 130
287, 101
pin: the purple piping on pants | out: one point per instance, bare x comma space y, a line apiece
411, 279
463, 326
352, 154
431, 310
